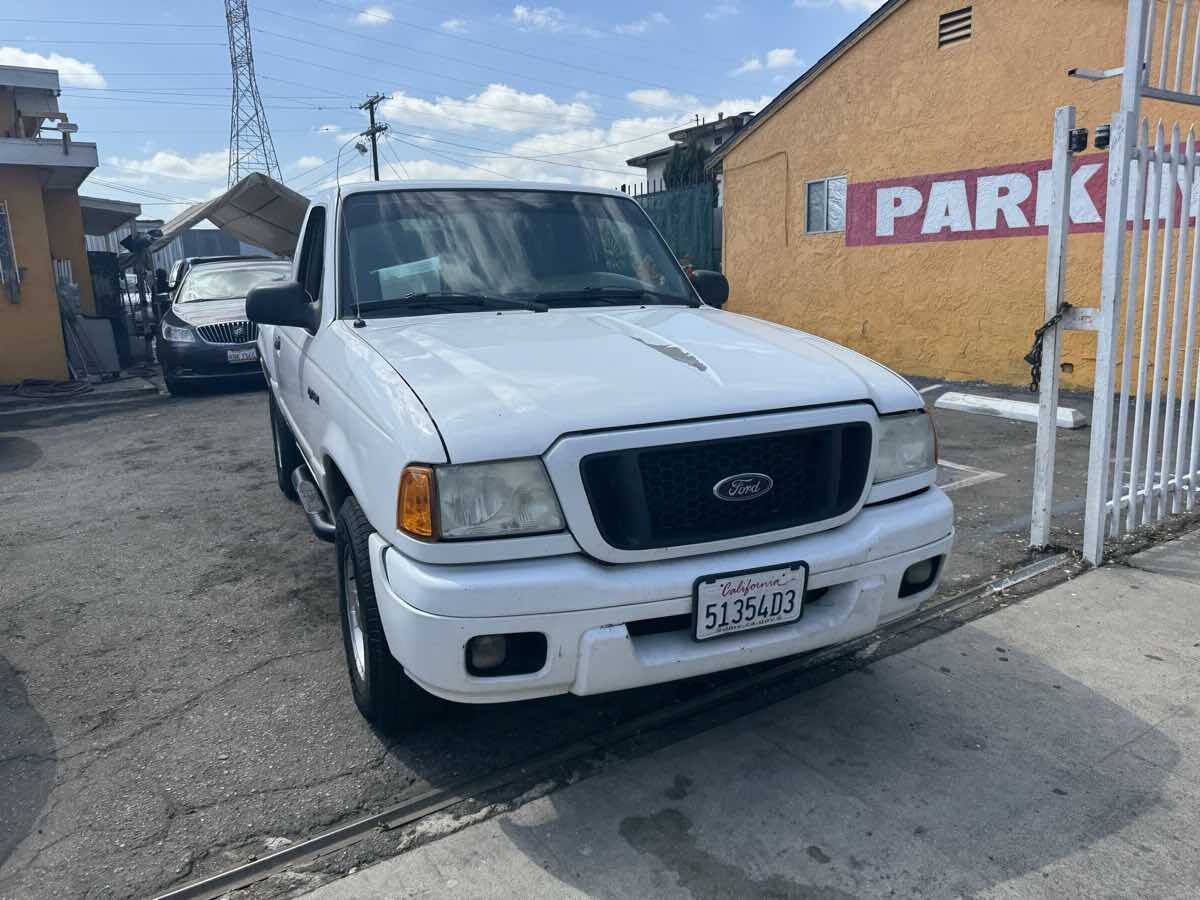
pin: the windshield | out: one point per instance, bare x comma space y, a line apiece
557, 248
227, 284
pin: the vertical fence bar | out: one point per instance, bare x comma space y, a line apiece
1181, 443
1154, 194
1167, 493
1058, 226
1123, 134
1182, 44
1135, 246
1195, 58
1166, 44
1168, 436
1152, 510
1194, 456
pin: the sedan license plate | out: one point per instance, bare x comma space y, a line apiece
740, 601
250, 354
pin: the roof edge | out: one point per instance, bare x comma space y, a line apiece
810, 74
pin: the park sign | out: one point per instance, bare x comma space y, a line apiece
1001, 201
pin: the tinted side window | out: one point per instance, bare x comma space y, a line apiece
312, 255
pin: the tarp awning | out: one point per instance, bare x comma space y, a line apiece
258, 210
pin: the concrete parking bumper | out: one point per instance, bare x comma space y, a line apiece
1049, 749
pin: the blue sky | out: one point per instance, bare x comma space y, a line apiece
559, 92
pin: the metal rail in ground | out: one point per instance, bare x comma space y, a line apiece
416, 808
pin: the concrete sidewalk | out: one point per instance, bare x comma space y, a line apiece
1050, 749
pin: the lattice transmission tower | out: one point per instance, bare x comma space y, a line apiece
250, 145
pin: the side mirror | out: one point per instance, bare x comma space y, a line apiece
282, 303
712, 287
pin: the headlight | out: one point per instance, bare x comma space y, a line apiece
178, 335
906, 446
478, 500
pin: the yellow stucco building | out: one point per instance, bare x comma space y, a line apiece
41, 226
893, 198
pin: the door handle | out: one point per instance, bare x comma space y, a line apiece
276, 342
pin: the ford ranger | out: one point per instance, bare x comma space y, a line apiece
550, 463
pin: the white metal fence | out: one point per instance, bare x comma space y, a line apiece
1145, 445
1144, 461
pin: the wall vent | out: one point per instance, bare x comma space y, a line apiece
954, 26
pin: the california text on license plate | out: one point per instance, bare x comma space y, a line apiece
248, 355
739, 601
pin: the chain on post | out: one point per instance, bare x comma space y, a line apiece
1034, 356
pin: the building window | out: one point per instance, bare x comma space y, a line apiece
954, 26
9, 273
826, 203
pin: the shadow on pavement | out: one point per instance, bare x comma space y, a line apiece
27, 761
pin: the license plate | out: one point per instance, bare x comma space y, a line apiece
741, 601
250, 354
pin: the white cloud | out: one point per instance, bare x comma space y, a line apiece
659, 98
497, 106
753, 64
857, 6
308, 162
541, 18
723, 10
779, 58
71, 72
455, 26
210, 166
782, 58
374, 15
642, 25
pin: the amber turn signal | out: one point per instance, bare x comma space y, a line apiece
414, 505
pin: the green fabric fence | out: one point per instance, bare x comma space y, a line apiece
685, 217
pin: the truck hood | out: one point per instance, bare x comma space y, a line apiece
209, 312
509, 385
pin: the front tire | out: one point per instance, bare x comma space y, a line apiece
287, 454
385, 696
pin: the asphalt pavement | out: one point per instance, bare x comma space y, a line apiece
174, 698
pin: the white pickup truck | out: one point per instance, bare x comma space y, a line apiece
551, 463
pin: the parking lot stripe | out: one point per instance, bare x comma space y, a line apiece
974, 476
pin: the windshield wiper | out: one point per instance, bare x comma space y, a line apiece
612, 295
451, 301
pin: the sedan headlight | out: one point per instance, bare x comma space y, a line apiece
907, 445
478, 500
178, 335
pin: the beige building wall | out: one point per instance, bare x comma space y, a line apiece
895, 104
31, 342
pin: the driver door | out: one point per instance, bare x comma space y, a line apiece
291, 343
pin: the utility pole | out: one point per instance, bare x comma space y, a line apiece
369, 105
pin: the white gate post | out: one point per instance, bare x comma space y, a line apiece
1059, 224
1123, 139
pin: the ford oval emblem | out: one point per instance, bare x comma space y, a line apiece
746, 486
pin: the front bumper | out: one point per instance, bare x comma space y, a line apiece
202, 360
430, 612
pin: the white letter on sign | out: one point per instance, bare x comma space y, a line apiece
891, 204
1082, 207
1001, 194
947, 208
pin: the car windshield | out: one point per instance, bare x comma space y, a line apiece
429, 251
227, 284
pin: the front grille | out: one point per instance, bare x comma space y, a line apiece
242, 332
649, 497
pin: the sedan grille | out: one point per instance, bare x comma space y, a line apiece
664, 496
242, 332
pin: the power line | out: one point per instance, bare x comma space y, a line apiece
488, 23
454, 159
359, 36
142, 24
